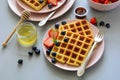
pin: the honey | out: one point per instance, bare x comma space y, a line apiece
26, 34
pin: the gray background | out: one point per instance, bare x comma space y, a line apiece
38, 68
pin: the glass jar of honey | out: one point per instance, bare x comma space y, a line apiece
26, 34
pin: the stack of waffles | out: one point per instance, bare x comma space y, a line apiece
35, 4
75, 40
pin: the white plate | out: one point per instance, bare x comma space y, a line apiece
39, 16
97, 53
43, 10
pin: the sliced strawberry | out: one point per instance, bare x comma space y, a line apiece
53, 2
53, 33
49, 42
113, 1
96, 1
93, 20
106, 2
102, 1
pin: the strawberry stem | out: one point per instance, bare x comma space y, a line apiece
54, 40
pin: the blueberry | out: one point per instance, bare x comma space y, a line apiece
53, 60
48, 52
41, 1
66, 39
50, 6
57, 25
57, 43
30, 53
63, 32
107, 25
64, 22
37, 51
20, 61
49, 48
102, 23
34, 48
53, 54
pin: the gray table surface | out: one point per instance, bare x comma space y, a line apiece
38, 68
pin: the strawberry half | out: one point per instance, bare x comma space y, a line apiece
49, 42
53, 2
53, 33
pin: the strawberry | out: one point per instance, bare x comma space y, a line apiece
53, 2
53, 33
102, 1
96, 1
93, 20
106, 1
49, 42
113, 1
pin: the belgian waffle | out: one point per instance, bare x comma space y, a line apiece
81, 26
35, 4
72, 49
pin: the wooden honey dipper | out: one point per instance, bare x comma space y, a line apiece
24, 16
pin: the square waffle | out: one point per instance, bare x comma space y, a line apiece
81, 26
72, 49
35, 4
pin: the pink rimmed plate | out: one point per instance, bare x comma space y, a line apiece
97, 53
43, 10
39, 16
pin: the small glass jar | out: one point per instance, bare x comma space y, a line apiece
26, 34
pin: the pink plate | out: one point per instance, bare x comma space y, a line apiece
97, 53
39, 16
43, 10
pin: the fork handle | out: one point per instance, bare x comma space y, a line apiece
90, 53
43, 22
81, 70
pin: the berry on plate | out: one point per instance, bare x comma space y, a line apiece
53, 2
48, 52
50, 6
63, 22
49, 42
53, 33
53, 60
53, 54
41, 1
63, 32
57, 26
57, 43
